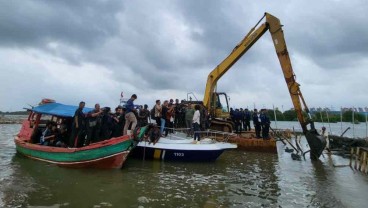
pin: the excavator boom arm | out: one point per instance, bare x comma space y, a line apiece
278, 40
315, 141
226, 64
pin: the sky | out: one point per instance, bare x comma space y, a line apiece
86, 50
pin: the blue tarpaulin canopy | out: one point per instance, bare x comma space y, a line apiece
58, 109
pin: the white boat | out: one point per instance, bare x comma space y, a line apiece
178, 147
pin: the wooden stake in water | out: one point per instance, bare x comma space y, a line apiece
320, 113
366, 123
353, 123
274, 112
341, 118
328, 120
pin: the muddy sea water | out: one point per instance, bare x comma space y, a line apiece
236, 179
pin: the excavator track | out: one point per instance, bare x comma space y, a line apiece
221, 125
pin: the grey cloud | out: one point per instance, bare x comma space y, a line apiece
139, 41
83, 24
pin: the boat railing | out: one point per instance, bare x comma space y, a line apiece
211, 134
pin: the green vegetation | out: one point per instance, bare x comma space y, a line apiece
279, 115
14, 113
290, 115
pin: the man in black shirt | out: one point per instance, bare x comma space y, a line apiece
94, 125
78, 126
257, 123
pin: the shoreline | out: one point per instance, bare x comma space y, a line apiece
7, 120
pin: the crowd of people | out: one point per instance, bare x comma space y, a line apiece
261, 121
170, 115
101, 124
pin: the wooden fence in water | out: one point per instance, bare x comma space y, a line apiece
359, 159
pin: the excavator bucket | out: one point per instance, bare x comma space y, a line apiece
317, 144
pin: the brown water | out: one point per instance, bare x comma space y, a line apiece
236, 179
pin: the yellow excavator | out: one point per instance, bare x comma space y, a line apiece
219, 111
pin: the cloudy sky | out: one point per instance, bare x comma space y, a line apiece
93, 50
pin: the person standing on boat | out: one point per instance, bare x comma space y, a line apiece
129, 116
170, 118
237, 116
247, 120
78, 126
93, 125
143, 116
158, 114
265, 123
257, 123
164, 109
196, 123
189, 120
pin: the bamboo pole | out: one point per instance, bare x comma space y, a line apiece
341, 118
353, 123
351, 157
328, 120
356, 157
320, 113
366, 165
274, 112
366, 124
363, 164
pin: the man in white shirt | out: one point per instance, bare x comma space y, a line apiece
196, 123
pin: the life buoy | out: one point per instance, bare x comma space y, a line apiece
47, 100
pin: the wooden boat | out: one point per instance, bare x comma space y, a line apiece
178, 147
110, 153
249, 142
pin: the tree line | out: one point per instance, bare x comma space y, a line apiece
290, 115
14, 113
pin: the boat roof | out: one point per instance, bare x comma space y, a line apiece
58, 109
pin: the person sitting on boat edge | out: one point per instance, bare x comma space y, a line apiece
61, 137
196, 123
129, 116
49, 133
78, 126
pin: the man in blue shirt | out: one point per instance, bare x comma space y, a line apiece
129, 114
265, 123
78, 126
247, 119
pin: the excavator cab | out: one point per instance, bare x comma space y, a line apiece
220, 105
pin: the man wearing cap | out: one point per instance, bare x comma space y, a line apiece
129, 114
